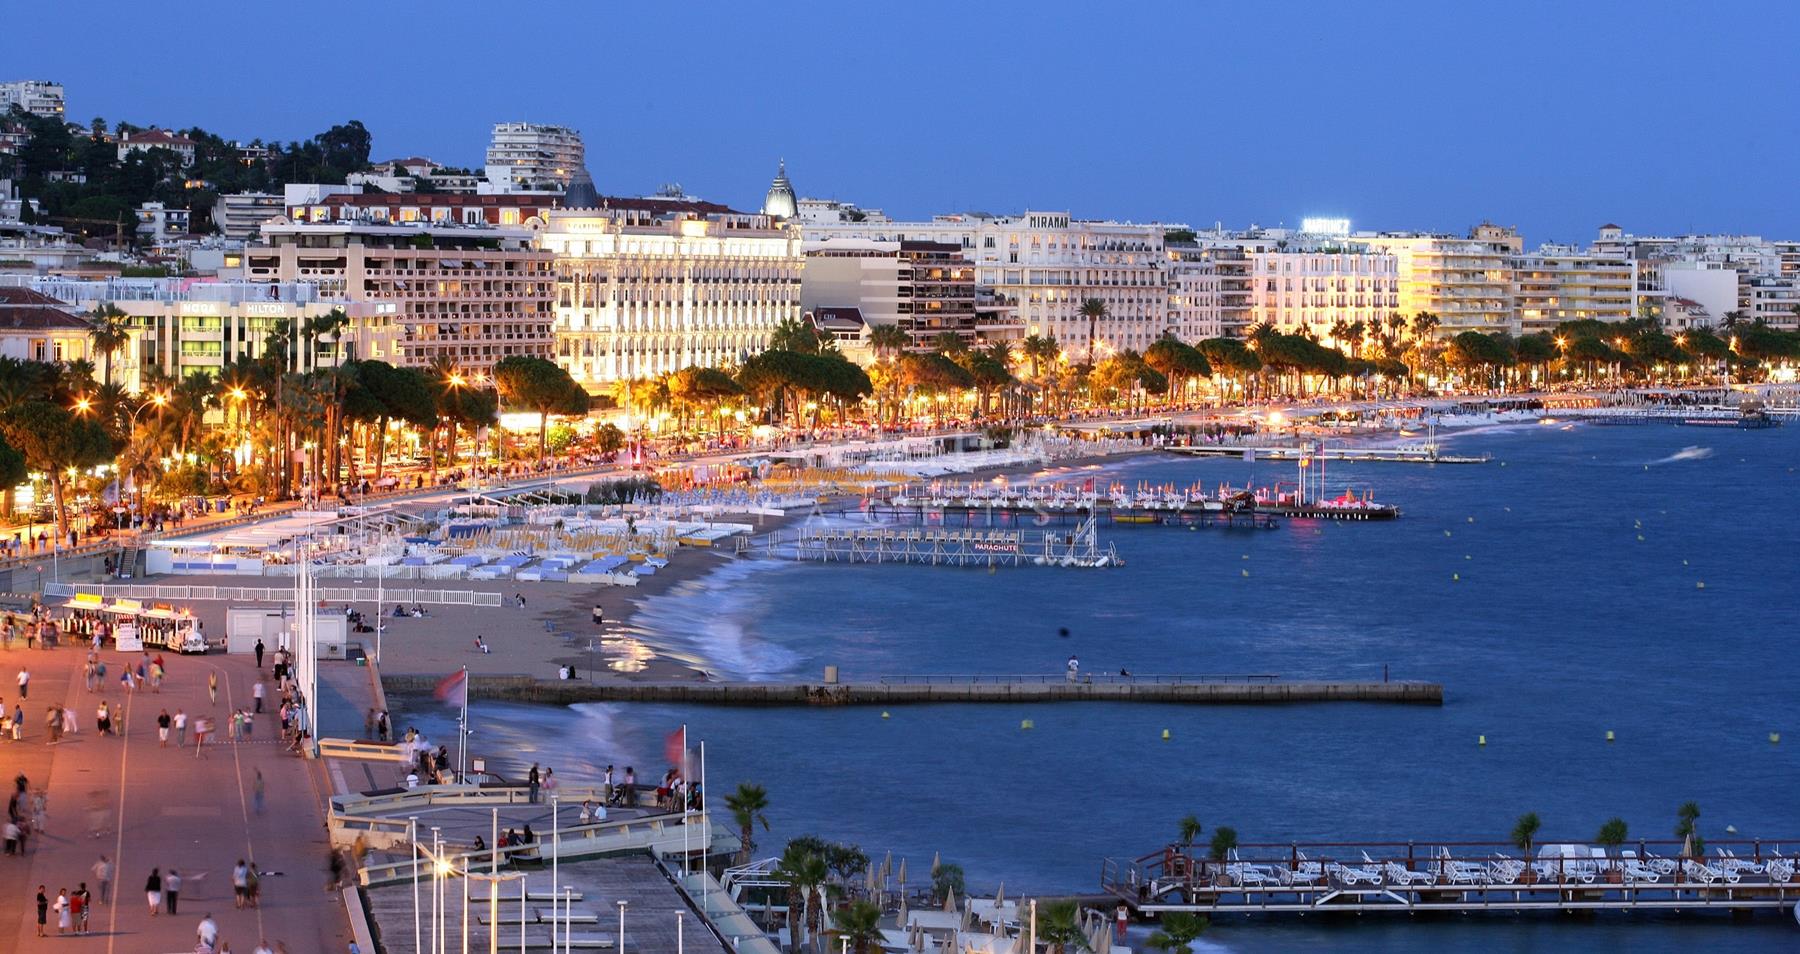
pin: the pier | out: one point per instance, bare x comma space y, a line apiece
1000, 516
1426, 454
1458, 876
1245, 689
937, 547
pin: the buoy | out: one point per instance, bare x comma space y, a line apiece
1456, 577
1026, 724
1245, 572
1699, 585
1446, 533
1609, 735
1509, 510
1481, 740
1774, 737
1503, 463
1468, 556
884, 715
1165, 735
1471, 519
1640, 538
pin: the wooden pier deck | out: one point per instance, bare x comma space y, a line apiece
1463, 877
1374, 455
915, 690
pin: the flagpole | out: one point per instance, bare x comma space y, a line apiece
705, 811
686, 816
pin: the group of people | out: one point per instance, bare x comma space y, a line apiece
25, 815
36, 627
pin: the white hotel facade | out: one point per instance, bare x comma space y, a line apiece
1304, 290
649, 286
1044, 265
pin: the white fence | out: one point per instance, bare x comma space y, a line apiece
276, 594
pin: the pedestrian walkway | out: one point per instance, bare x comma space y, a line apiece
144, 806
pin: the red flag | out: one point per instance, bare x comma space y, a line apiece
454, 688
675, 750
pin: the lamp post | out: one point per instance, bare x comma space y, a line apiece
619, 942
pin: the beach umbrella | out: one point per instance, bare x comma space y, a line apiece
950, 901
934, 864
1687, 846
871, 876
887, 866
903, 876
901, 918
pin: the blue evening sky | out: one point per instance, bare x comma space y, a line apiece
1552, 116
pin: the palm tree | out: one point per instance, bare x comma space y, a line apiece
111, 331
888, 340
1179, 931
1059, 927
748, 805
1093, 309
860, 924
805, 873
1190, 829
1524, 830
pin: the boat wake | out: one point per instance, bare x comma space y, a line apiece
1686, 453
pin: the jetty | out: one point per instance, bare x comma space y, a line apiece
1224, 689
1459, 876
1411, 454
964, 547
973, 515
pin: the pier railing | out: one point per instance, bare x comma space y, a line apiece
1086, 679
1460, 876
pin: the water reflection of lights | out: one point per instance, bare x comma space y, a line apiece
626, 653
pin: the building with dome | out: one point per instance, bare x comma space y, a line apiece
780, 202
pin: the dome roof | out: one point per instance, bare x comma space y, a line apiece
780, 201
581, 193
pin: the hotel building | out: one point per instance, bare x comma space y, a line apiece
648, 286
1044, 265
470, 293
1302, 290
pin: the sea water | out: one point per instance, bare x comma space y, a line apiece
1588, 579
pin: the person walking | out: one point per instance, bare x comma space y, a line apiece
103, 878
43, 910
534, 781
208, 932
259, 654
256, 692
153, 891
257, 791
172, 890
240, 883
212, 687
180, 722
83, 903
24, 683
163, 720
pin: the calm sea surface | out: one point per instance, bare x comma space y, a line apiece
1556, 593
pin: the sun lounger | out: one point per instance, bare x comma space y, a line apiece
1505, 870
1354, 874
1707, 874
1400, 875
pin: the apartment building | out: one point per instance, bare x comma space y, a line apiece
437, 208
1196, 292
471, 294
1467, 283
1045, 265
1775, 301
38, 97
1559, 284
649, 286
529, 157
180, 326
239, 216
924, 288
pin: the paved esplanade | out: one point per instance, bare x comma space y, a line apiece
147, 807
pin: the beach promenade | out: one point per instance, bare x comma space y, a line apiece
144, 806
